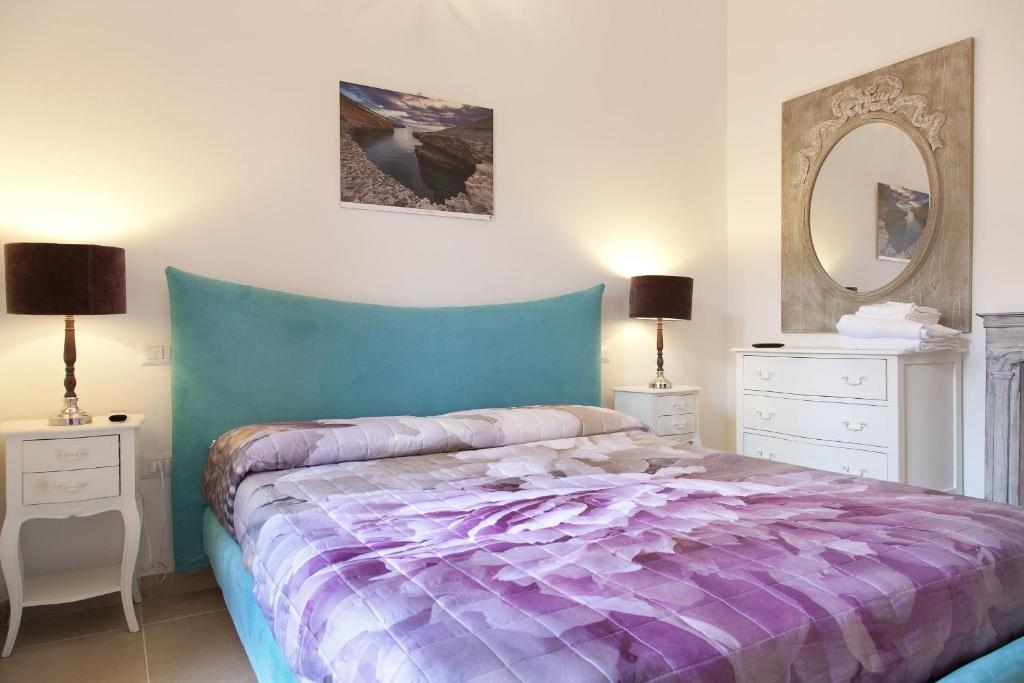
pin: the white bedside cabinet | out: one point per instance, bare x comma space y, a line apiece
61, 472
673, 413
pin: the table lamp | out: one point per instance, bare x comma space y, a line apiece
660, 297
68, 280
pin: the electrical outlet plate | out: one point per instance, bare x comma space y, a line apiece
154, 466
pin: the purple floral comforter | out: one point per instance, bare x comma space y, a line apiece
567, 544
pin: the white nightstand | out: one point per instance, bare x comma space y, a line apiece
672, 413
60, 472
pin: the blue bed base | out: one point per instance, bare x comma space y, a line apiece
236, 583
1005, 665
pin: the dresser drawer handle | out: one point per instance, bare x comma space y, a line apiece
765, 415
853, 382
71, 488
75, 455
765, 376
863, 470
859, 427
770, 455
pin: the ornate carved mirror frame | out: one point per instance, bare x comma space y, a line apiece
928, 97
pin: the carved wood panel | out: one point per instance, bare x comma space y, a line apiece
1004, 357
929, 97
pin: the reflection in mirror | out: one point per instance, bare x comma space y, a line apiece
869, 206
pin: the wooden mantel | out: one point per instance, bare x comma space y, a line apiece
1004, 356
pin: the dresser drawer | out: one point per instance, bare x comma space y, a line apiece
846, 422
809, 376
816, 456
73, 485
676, 405
675, 424
56, 455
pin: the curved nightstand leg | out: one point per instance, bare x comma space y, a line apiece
132, 527
10, 562
136, 591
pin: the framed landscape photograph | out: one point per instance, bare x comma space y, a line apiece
403, 152
902, 216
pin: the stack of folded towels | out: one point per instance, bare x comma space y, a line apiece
896, 326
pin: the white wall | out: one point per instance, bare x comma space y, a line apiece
779, 50
204, 135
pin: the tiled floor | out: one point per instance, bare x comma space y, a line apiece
186, 636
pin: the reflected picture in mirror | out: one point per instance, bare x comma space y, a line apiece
902, 215
869, 206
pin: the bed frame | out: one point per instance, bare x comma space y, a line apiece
244, 355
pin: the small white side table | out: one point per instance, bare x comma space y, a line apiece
61, 472
673, 413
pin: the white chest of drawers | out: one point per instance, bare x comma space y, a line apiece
888, 415
672, 413
61, 472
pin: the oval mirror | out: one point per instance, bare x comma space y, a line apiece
869, 206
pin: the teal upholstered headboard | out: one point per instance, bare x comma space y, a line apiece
243, 355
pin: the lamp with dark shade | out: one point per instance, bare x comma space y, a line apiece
69, 280
660, 297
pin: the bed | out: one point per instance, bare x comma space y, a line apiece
558, 541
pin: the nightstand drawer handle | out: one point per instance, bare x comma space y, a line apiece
863, 470
859, 428
71, 488
765, 415
770, 455
853, 382
77, 455
765, 376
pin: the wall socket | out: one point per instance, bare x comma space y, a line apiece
156, 467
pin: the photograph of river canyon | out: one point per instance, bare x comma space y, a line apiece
411, 152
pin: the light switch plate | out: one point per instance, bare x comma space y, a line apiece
156, 353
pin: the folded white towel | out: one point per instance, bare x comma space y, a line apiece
891, 328
937, 331
900, 311
940, 344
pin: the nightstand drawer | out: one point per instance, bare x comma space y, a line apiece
57, 455
39, 488
676, 405
675, 424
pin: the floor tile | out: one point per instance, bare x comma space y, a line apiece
51, 629
182, 605
115, 657
197, 649
174, 583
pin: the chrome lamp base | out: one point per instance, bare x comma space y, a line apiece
660, 381
70, 415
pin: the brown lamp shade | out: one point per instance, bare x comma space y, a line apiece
64, 279
669, 297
